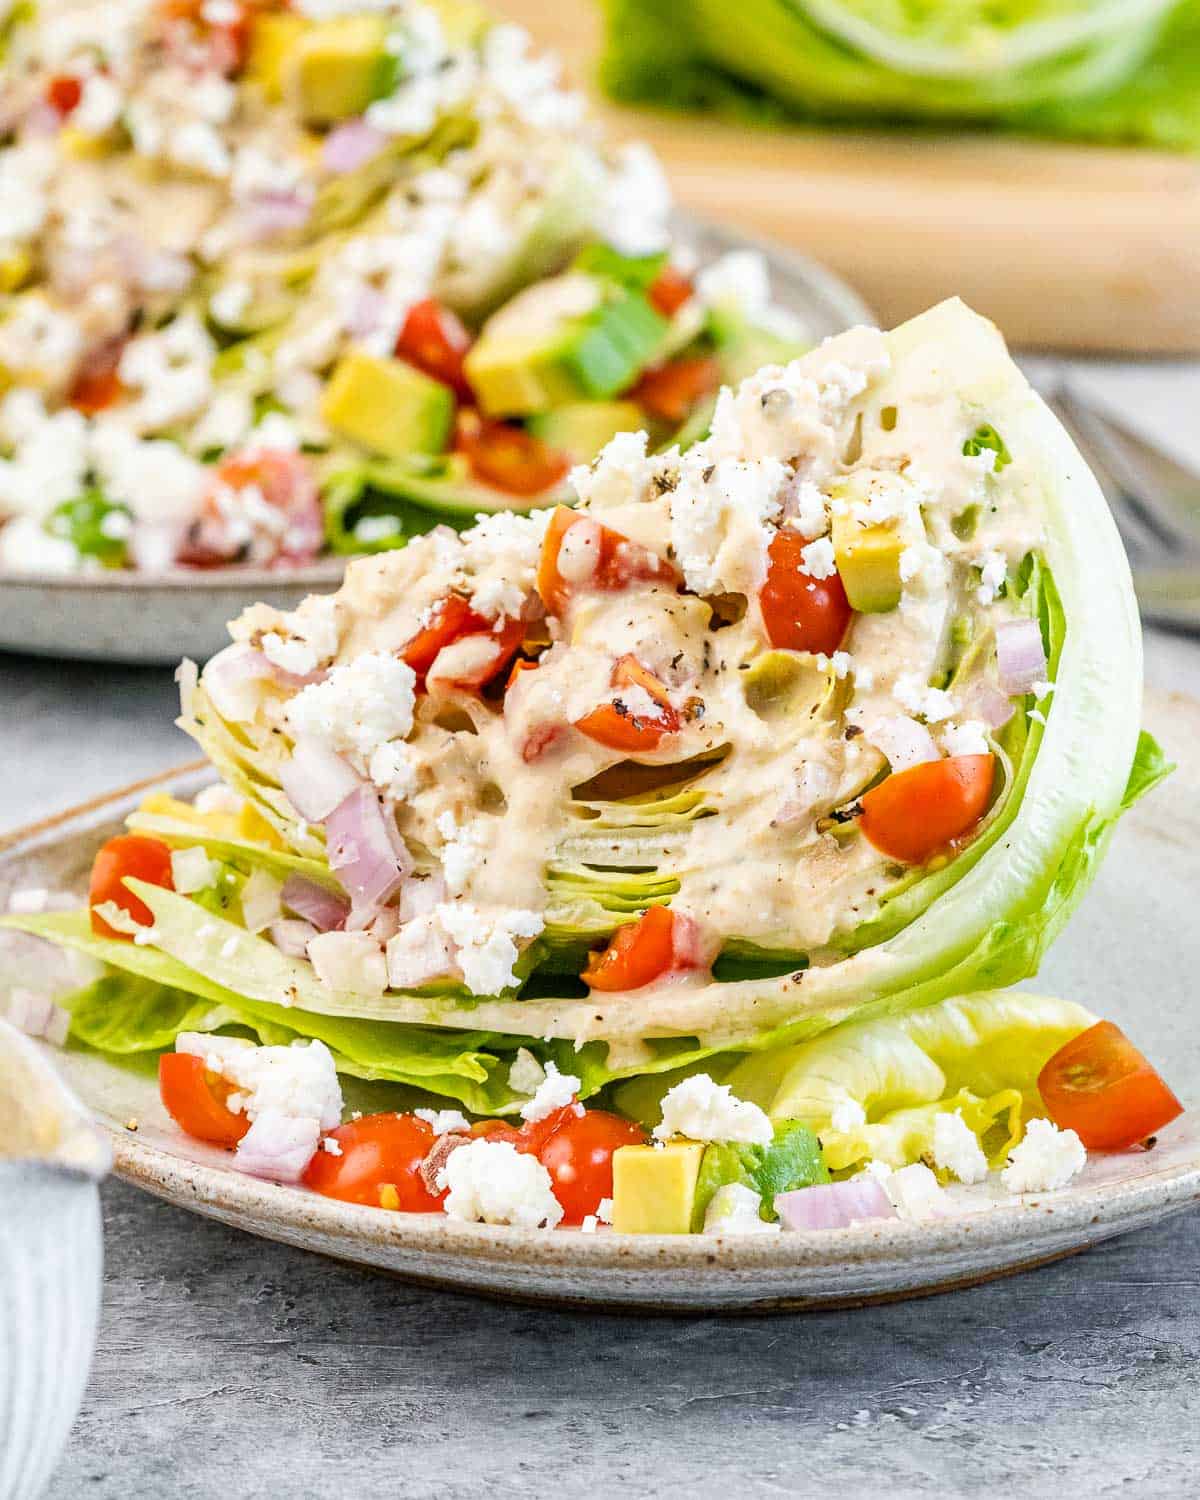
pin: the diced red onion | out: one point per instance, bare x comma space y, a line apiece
278, 213
1020, 655
905, 742
37, 1015
277, 1146
228, 680
367, 311
326, 910
834, 1205
386, 925
351, 145
988, 703
367, 852
290, 935
316, 779
689, 947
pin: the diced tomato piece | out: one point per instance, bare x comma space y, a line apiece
638, 953
97, 385
669, 290
194, 41
129, 854
670, 391
286, 482
801, 613
621, 727
196, 1101
436, 341
378, 1152
578, 1156
1103, 1088
914, 813
617, 561
63, 93
453, 620
508, 457
541, 741
501, 646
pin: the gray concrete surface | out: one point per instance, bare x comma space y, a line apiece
232, 1369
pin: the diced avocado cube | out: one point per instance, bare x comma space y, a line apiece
336, 68
15, 269
272, 42
387, 406
654, 1187
568, 339
868, 559
582, 428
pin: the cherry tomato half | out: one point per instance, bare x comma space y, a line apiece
63, 93
452, 620
801, 613
622, 726
196, 1101
578, 1156
128, 854
508, 457
914, 813
378, 1152
670, 392
637, 954
1100, 1086
669, 290
436, 342
606, 561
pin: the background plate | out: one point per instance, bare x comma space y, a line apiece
127, 617
1130, 954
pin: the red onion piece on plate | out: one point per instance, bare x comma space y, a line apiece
291, 935
834, 1205
351, 145
316, 779
326, 910
367, 854
277, 1146
1020, 656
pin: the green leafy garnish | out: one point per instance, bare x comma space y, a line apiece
94, 525
792, 1160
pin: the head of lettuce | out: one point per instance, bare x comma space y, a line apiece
828, 717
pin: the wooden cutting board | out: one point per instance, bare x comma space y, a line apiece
1069, 247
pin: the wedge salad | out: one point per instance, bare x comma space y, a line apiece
277, 280
674, 846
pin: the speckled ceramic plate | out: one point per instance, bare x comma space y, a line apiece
154, 619
1131, 953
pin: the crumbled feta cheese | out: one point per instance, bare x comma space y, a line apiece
915, 1192
393, 769
841, 663
26, 547
804, 508
305, 639
361, 705
420, 952
99, 107
734, 1209
555, 1091
956, 1150
589, 1224
50, 457
617, 475
634, 203
30, 899
494, 1183
604, 1210
818, 559
192, 871
169, 373
444, 1121
499, 558
331, 1145
299, 1081
349, 962
526, 1075
703, 1110
847, 1115
925, 702
968, 738
1046, 1158
461, 852
487, 943
993, 569
154, 478
718, 522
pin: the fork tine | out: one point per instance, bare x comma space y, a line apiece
1143, 491
1142, 543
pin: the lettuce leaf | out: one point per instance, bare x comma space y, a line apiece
1117, 72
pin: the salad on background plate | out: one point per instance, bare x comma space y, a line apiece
282, 280
676, 847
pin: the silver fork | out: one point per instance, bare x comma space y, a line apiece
1154, 500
